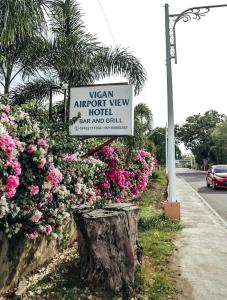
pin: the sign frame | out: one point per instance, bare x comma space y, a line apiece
103, 135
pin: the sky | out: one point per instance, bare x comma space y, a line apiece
199, 78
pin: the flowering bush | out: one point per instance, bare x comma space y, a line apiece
29, 181
10, 168
38, 190
119, 181
105, 178
80, 176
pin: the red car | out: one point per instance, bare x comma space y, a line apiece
217, 177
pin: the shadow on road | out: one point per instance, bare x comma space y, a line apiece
192, 174
207, 190
192, 177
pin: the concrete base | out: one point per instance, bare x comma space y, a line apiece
172, 210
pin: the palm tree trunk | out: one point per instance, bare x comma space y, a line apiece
6, 86
7, 76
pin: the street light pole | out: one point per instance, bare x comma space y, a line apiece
193, 13
171, 138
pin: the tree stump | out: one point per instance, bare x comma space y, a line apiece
107, 244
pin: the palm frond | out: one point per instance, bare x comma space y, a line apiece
117, 61
25, 58
20, 18
72, 58
66, 18
38, 89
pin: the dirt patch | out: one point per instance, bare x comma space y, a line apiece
184, 288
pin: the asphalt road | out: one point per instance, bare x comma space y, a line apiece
217, 199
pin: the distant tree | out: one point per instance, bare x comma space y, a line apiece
158, 136
218, 150
196, 133
143, 115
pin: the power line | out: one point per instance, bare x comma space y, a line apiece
107, 23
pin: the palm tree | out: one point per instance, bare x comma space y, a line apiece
77, 58
143, 123
144, 116
21, 48
24, 58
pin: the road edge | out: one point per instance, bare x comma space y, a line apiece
207, 204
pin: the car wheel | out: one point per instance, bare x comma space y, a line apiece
213, 186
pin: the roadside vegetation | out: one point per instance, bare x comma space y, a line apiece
59, 280
205, 136
156, 234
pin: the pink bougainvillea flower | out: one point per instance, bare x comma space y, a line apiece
70, 157
10, 194
36, 216
54, 177
42, 163
106, 184
12, 183
98, 193
135, 191
49, 229
118, 199
146, 169
15, 165
43, 143
34, 190
7, 143
5, 118
40, 204
50, 198
31, 149
108, 151
31, 236
6, 108
141, 155
20, 145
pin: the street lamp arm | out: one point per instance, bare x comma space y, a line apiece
193, 13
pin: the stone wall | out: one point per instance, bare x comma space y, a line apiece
19, 256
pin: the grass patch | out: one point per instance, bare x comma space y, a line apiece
156, 234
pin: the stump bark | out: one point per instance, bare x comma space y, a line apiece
107, 244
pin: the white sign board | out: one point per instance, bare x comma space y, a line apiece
106, 110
